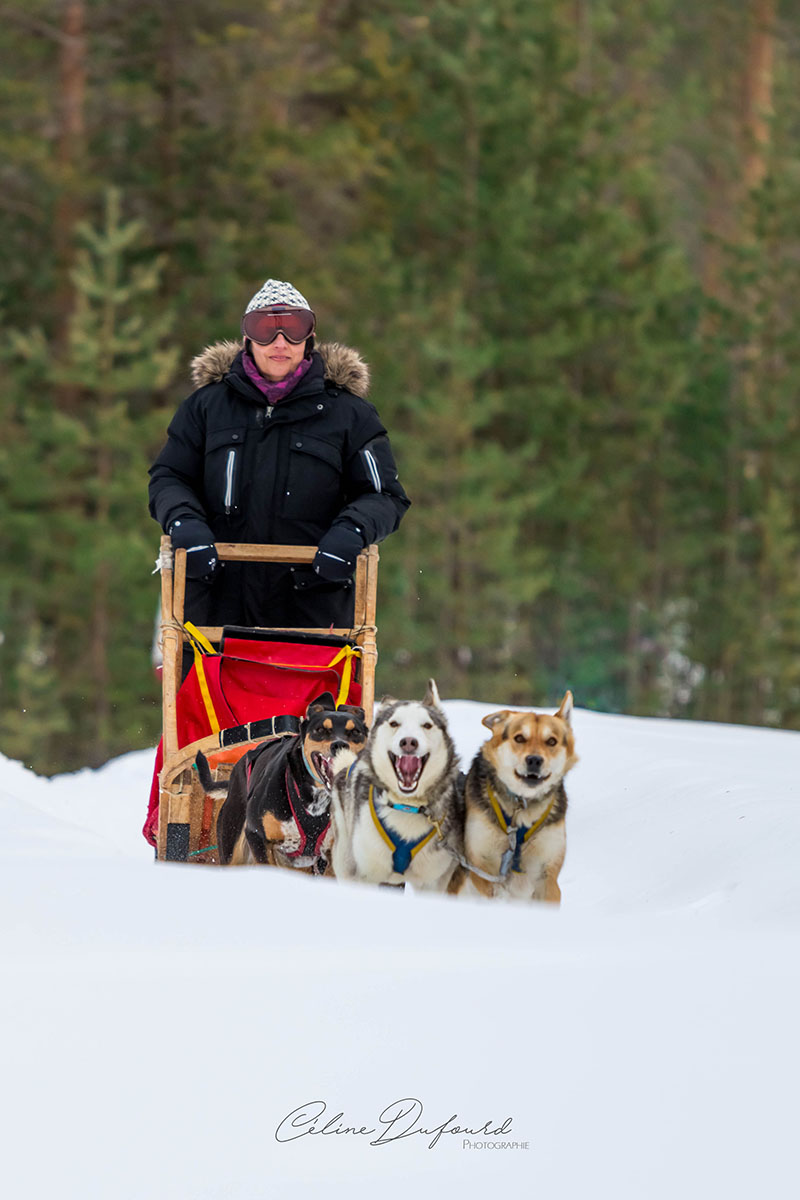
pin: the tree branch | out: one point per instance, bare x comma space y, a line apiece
34, 24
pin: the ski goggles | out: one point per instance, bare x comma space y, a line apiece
262, 326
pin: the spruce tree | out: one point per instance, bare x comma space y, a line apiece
92, 542
542, 320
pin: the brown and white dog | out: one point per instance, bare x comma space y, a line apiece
516, 805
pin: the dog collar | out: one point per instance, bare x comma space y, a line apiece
403, 851
420, 808
307, 764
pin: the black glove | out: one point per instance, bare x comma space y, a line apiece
338, 550
194, 536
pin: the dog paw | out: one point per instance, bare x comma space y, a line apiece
291, 844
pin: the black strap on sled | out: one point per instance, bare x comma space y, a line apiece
256, 730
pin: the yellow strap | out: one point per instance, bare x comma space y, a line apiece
423, 843
204, 692
378, 825
498, 812
348, 653
200, 642
202, 646
541, 820
502, 818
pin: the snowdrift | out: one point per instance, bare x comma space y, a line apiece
166, 1024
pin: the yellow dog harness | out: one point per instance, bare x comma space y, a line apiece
517, 838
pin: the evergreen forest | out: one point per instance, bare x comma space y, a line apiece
565, 234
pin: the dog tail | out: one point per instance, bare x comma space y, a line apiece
210, 785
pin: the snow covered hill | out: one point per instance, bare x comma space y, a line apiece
163, 1021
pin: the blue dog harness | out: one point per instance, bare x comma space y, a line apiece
403, 851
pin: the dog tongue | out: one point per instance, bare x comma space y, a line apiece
407, 769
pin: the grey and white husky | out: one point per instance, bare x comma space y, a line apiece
397, 808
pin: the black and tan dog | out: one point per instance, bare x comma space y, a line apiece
277, 800
515, 829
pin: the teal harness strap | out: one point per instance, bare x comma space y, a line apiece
406, 807
307, 764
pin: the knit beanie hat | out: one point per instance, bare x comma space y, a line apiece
275, 291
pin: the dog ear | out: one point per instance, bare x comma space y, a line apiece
431, 698
355, 710
323, 703
388, 698
495, 718
565, 711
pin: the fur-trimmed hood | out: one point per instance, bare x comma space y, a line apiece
343, 366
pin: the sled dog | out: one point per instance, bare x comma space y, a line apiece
516, 805
277, 800
397, 811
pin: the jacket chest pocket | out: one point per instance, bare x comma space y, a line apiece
223, 470
313, 489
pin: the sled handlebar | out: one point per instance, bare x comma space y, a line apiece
252, 552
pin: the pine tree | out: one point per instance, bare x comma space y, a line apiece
564, 236
542, 313
93, 541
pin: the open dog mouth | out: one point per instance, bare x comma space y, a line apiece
323, 765
533, 778
408, 768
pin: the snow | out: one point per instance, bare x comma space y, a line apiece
161, 1020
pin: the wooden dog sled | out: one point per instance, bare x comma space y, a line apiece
254, 686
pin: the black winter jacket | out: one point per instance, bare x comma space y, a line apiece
279, 473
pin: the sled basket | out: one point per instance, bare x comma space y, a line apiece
245, 685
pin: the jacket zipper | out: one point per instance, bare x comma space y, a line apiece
230, 472
268, 410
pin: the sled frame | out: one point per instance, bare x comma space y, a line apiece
183, 817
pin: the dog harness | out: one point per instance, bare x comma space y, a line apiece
309, 827
403, 851
517, 837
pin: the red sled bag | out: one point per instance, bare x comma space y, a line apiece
257, 673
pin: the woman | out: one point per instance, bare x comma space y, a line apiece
277, 444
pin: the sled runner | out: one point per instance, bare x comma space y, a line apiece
246, 685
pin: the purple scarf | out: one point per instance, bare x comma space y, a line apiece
273, 391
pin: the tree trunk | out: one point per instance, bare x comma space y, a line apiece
70, 158
168, 142
755, 135
758, 92
744, 71
101, 621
